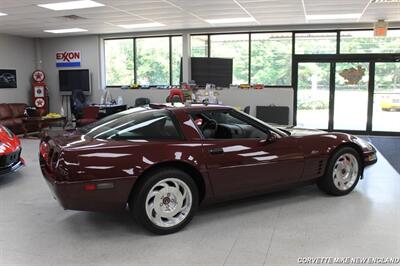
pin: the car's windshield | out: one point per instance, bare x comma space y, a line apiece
136, 123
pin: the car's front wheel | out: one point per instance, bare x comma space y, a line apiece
343, 172
166, 201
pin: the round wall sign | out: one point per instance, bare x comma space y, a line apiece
38, 76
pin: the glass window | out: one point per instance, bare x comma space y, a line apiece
313, 95
351, 96
235, 46
225, 125
316, 43
271, 58
199, 45
364, 42
119, 62
176, 59
386, 116
152, 61
136, 123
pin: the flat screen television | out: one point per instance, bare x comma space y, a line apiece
217, 71
77, 79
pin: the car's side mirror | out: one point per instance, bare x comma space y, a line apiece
271, 138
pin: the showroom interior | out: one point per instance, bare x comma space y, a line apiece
213, 132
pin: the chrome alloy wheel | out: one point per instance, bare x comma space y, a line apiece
345, 171
169, 202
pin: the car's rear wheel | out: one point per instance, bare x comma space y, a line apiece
166, 201
343, 172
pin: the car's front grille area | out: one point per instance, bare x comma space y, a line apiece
10, 159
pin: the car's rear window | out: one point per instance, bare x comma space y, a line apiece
136, 123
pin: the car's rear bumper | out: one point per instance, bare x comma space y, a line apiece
73, 195
12, 168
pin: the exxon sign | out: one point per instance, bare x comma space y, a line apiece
68, 59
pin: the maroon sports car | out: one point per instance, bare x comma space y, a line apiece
163, 161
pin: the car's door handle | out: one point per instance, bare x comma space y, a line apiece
216, 151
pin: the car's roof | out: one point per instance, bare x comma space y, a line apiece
189, 107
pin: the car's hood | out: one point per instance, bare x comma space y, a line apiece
296, 131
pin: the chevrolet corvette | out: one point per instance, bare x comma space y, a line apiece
162, 162
10, 151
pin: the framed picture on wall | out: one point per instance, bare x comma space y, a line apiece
8, 78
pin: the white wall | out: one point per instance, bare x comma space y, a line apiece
17, 53
90, 59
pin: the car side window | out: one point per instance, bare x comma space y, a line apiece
225, 125
150, 124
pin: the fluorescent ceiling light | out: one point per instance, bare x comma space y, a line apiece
334, 16
65, 30
230, 20
71, 5
3, 14
142, 25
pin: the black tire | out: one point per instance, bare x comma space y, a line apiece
326, 183
138, 200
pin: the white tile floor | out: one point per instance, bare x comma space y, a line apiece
269, 230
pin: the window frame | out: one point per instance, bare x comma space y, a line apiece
134, 38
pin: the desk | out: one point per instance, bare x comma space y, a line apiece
43, 122
109, 109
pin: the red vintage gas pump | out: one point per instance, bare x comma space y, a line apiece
40, 95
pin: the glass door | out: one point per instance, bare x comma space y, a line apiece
386, 108
351, 96
313, 83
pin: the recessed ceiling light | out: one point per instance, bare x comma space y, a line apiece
230, 20
334, 16
65, 30
384, 1
71, 5
3, 14
142, 25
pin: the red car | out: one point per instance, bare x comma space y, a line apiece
163, 162
10, 152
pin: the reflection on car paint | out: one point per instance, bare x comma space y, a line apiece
145, 160
104, 155
235, 148
129, 171
88, 146
99, 167
266, 158
257, 153
190, 144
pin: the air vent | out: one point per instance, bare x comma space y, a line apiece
384, 1
320, 167
72, 17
